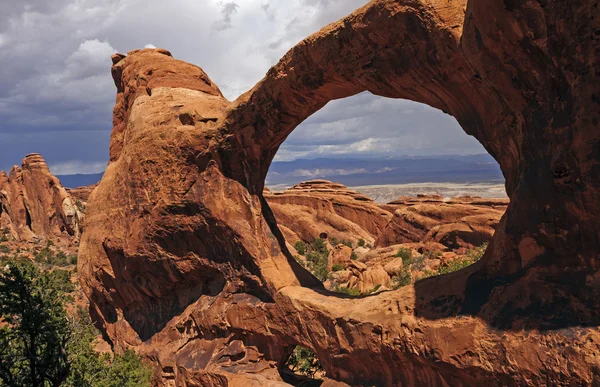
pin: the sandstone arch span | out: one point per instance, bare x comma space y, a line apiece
182, 198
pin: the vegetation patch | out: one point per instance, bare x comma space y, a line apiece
303, 361
316, 254
43, 346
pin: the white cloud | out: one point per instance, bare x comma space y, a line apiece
89, 60
75, 167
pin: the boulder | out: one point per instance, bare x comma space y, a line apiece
374, 278
393, 266
339, 255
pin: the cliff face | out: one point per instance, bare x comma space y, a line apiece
183, 260
34, 205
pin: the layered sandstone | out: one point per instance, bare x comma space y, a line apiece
183, 260
319, 207
455, 223
34, 205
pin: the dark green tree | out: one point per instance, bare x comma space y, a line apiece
35, 330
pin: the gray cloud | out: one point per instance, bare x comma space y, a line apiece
227, 11
56, 92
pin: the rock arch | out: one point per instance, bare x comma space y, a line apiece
182, 197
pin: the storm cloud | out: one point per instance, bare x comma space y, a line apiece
56, 92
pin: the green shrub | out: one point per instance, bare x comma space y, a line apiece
353, 256
73, 259
320, 271
35, 330
337, 267
346, 290
361, 242
91, 369
376, 288
405, 254
403, 278
300, 247
316, 256
471, 257
319, 246
4, 249
303, 361
61, 280
43, 256
335, 242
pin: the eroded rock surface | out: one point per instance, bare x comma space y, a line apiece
319, 207
452, 223
34, 205
182, 258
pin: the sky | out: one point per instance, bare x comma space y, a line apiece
57, 94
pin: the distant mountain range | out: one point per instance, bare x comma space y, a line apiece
352, 172
480, 168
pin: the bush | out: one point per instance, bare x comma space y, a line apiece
337, 267
319, 246
471, 257
303, 361
346, 290
403, 278
47, 256
61, 280
335, 242
405, 254
90, 369
316, 257
361, 243
371, 291
300, 247
4, 249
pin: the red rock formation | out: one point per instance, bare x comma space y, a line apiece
182, 258
453, 223
33, 203
318, 207
81, 193
339, 255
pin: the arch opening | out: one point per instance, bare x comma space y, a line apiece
373, 193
